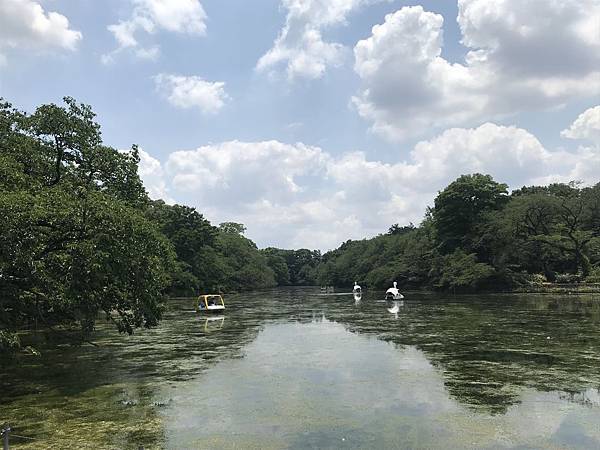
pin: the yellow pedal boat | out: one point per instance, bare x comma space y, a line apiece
210, 303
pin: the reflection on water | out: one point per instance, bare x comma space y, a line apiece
214, 323
294, 369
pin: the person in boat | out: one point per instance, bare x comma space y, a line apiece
357, 289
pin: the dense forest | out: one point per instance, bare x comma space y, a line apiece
478, 236
80, 238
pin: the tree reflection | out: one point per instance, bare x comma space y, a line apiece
488, 349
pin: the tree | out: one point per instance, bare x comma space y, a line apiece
245, 268
232, 227
556, 221
461, 271
397, 229
461, 206
280, 269
74, 240
195, 242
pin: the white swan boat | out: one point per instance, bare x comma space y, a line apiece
393, 293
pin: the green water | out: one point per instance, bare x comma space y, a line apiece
295, 369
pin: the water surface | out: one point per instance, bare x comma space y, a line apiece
294, 369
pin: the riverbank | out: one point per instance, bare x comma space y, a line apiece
560, 288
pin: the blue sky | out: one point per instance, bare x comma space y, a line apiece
341, 129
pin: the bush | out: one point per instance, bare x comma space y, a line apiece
461, 271
568, 278
594, 276
537, 278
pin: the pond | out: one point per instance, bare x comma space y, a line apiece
291, 368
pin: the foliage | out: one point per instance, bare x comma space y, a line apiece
74, 240
594, 276
461, 207
244, 267
194, 240
397, 229
294, 267
461, 271
478, 237
232, 227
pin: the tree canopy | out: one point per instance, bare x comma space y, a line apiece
74, 240
477, 236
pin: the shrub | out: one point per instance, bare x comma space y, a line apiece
568, 278
594, 276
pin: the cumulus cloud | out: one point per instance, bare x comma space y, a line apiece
586, 126
586, 161
25, 24
245, 171
523, 55
148, 16
296, 195
192, 92
152, 173
300, 46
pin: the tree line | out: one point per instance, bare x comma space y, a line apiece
478, 236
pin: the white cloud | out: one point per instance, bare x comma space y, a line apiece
148, 16
300, 45
511, 154
586, 126
524, 54
302, 196
151, 171
150, 53
234, 172
586, 161
24, 24
192, 92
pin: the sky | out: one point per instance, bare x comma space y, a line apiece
317, 121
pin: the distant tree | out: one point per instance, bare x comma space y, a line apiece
568, 233
548, 228
301, 264
232, 227
280, 269
244, 267
396, 229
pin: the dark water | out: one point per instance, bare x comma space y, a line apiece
294, 369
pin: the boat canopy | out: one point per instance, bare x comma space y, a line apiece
204, 301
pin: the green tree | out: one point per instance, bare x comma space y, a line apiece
232, 227
460, 208
397, 229
278, 264
554, 224
194, 239
245, 268
74, 240
462, 272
